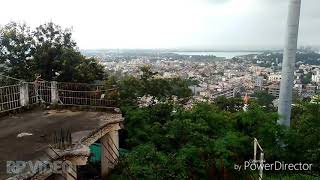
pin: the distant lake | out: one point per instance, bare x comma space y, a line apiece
227, 54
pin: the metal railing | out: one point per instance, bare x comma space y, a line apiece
9, 98
72, 94
80, 94
39, 92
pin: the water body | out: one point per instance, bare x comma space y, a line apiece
226, 54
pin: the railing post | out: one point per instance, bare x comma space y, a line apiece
54, 92
261, 166
24, 94
254, 150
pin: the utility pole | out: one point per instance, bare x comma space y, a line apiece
288, 64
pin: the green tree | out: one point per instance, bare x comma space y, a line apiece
53, 46
303, 136
129, 90
162, 90
201, 143
56, 56
264, 98
229, 104
48, 50
16, 50
88, 70
306, 79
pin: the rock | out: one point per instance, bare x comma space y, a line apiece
24, 134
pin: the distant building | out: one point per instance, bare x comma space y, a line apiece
316, 77
259, 82
274, 90
274, 78
168, 75
228, 93
309, 91
196, 90
298, 88
204, 94
275, 102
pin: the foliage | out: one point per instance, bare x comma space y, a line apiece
303, 137
48, 50
165, 141
162, 90
306, 57
264, 99
229, 104
201, 143
290, 176
306, 78
16, 49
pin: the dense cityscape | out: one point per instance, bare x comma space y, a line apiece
160, 90
212, 76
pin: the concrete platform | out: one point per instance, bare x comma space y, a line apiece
42, 125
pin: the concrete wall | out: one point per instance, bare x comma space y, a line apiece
109, 153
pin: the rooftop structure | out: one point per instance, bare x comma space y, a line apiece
48, 130
41, 125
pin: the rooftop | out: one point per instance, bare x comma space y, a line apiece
42, 124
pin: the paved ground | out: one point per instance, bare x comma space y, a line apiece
42, 125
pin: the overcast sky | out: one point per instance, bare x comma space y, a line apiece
209, 24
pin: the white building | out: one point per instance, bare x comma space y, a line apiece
316, 77
274, 78
259, 81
